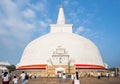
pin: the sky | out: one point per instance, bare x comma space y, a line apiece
22, 21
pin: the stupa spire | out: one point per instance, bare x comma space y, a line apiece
61, 16
61, 25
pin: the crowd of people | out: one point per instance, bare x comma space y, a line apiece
23, 77
107, 75
61, 77
74, 77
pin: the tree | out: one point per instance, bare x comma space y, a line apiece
11, 68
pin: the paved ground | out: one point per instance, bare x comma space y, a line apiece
69, 81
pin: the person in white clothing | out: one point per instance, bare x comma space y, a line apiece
64, 77
22, 78
99, 75
76, 78
72, 76
26, 78
30, 75
60, 76
15, 80
5, 78
107, 75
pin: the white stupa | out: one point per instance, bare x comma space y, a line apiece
59, 47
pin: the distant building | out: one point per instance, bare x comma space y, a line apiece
117, 71
3, 65
60, 51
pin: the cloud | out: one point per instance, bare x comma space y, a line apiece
17, 26
14, 30
17, 21
79, 30
66, 2
82, 18
43, 24
40, 6
3, 31
29, 13
73, 14
88, 33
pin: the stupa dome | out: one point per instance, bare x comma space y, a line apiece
80, 49
61, 42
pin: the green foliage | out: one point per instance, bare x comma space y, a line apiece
112, 69
11, 68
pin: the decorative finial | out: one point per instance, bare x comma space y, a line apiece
60, 6
61, 17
